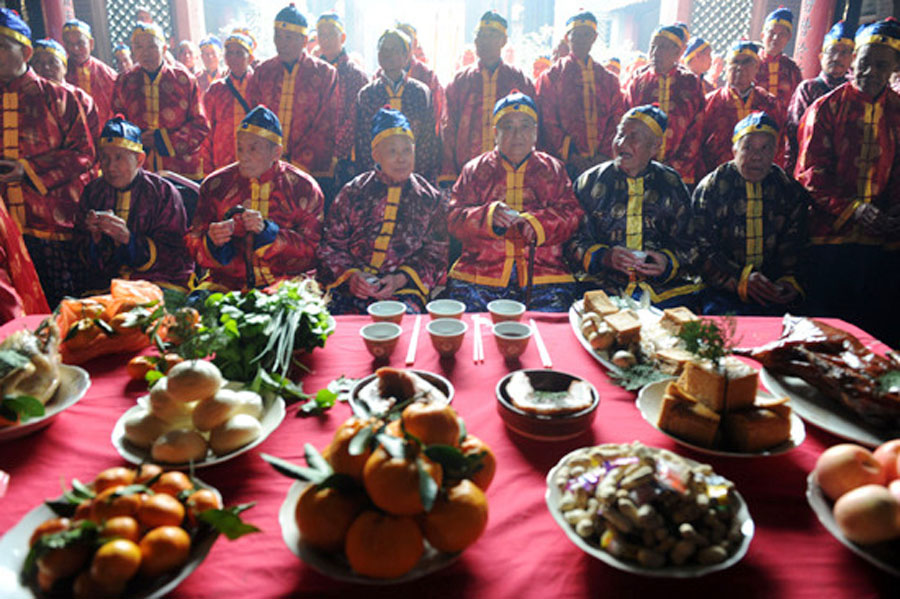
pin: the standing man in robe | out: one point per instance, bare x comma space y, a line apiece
733, 102
49, 61
850, 162
697, 58
835, 58
386, 234
778, 74
351, 79
303, 91
47, 155
131, 222
211, 56
259, 219
466, 125
750, 218
679, 95
95, 77
226, 101
122, 57
513, 210
163, 100
393, 87
418, 70
635, 236
580, 102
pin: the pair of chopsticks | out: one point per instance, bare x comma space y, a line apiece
411, 352
478, 346
542, 349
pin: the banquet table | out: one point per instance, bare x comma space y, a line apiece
523, 553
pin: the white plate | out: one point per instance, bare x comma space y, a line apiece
885, 555
649, 402
552, 497
14, 550
811, 405
575, 312
73, 384
273, 414
335, 565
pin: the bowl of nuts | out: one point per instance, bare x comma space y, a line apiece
649, 511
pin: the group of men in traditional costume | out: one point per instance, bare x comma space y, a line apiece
574, 183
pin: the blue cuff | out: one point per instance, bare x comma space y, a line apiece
668, 271
596, 264
134, 252
159, 144
266, 236
223, 255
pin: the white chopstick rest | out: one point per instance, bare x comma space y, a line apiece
542, 349
411, 352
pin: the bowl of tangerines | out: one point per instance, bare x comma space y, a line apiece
394, 496
133, 533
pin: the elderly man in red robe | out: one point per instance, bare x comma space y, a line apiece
258, 220
164, 101
94, 76
49, 61
677, 92
513, 209
466, 124
47, 155
580, 102
733, 102
131, 222
393, 87
303, 91
850, 163
351, 78
226, 101
778, 74
420, 71
386, 234
835, 59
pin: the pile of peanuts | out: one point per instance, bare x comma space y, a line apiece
649, 505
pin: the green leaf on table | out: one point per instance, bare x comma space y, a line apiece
24, 407
320, 403
228, 521
295, 471
428, 488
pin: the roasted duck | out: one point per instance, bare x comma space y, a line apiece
29, 362
837, 364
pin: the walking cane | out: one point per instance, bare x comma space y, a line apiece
530, 282
248, 249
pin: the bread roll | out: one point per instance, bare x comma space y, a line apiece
236, 432
250, 403
143, 427
179, 446
213, 411
165, 407
193, 380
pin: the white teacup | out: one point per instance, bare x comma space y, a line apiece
445, 308
447, 335
504, 309
387, 311
381, 338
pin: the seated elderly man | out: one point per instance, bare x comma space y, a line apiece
750, 218
513, 209
131, 222
386, 233
635, 236
259, 219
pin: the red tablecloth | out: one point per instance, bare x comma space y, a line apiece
523, 553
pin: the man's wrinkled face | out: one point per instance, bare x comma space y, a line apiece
393, 55
48, 66
396, 155
237, 59
289, 44
255, 155
633, 146
836, 60
489, 44
209, 54
13, 57
119, 165
775, 39
148, 51
331, 39
515, 135
753, 155
702, 62
741, 70
581, 40
873, 66
664, 53
78, 45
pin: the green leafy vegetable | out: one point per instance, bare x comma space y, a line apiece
708, 340
20, 408
637, 375
322, 401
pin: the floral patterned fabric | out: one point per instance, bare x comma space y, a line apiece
224, 112
780, 76
806, 93
98, 80
351, 78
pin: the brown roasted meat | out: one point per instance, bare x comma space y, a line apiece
837, 364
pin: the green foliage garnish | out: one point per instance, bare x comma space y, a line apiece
637, 375
322, 401
228, 521
889, 381
84, 532
708, 340
20, 408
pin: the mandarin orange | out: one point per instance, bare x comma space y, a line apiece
123, 527
323, 515
164, 549
113, 477
49, 527
482, 477
383, 545
172, 483
160, 510
432, 423
457, 518
393, 484
337, 453
115, 563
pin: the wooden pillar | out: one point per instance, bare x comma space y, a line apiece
675, 10
100, 26
188, 20
56, 12
816, 18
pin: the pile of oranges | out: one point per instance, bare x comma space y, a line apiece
381, 523
136, 525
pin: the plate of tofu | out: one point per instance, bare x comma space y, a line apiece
722, 411
620, 332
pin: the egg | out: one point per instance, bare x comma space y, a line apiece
179, 446
237, 431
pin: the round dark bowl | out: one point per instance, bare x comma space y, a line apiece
546, 427
442, 384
